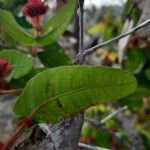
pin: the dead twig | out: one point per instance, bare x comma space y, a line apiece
82, 56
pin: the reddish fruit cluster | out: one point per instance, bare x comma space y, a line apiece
1, 145
134, 41
5, 68
34, 8
114, 144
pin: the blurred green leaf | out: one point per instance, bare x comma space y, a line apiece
108, 34
134, 14
9, 24
142, 80
65, 91
135, 57
85, 130
134, 101
100, 138
21, 82
57, 24
52, 29
97, 28
8, 40
146, 139
54, 55
147, 73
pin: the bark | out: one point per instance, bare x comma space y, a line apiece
62, 136
7, 117
139, 4
144, 6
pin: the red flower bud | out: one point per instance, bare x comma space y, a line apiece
34, 9
5, 68
26, 122
1, 145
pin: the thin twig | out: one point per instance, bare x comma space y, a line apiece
81, 26
101, 125
113, 114
81, 57
90, 147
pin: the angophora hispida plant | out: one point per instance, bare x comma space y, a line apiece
60, 92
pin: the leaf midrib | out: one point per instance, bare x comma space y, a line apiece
76, 91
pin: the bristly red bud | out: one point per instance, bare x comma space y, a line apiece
26, 122
5, 68
34, 8
1, 145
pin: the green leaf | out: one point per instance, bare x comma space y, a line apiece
8, 40
135, 58
57, 24
97, 28
147, 73
100, 138
53, 28
134, 101
143, 80
21, 82
145, 135
54, 55
9, 24
68, 90
20, 62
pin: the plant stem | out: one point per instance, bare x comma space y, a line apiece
113, 114
82, 56
81, 25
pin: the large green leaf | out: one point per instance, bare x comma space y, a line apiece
54, 55
20, 62
65, 91
57, 24
10, 25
